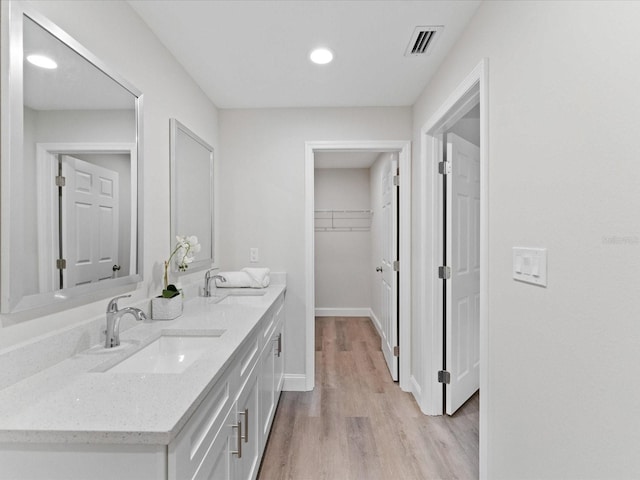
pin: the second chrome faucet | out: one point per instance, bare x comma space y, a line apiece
208, 277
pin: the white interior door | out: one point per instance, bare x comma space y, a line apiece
463, 256
389, 277
89, 221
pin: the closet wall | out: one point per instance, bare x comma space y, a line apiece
342, 241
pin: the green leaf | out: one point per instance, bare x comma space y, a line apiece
170, 292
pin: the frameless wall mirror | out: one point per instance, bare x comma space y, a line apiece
192, 191
71, 196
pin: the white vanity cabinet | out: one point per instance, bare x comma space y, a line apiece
226, 436
223, 439
234, 451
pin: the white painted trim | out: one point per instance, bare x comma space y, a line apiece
343, 312
309, 265
416, 389
295, 383
484, 270
404, 160
376, 322
473, 87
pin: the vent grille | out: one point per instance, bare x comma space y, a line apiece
423, 40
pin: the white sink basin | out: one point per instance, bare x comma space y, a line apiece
168, 354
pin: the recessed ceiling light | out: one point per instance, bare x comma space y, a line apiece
42, 61
321, 56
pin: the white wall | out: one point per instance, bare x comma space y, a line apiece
262, 197
564, 172
115, 34
342, 258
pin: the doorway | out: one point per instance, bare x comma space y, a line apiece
83, 206
402, 149
460, 231
472, 91
355, 242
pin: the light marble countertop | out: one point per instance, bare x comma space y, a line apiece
77, 401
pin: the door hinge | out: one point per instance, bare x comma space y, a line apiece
61, 264
396, 180
396, 351
444, 168
60, 181
396, 265
444, 377
444, 272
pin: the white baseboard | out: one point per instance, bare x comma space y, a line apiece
416, 389
376, 322
343, 312
295, 383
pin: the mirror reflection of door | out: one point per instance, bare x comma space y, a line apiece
88, 206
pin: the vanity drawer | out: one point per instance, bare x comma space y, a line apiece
189, 448
248, 358
272, 318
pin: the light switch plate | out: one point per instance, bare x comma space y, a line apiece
530, 265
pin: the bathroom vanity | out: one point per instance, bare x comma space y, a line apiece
191, 398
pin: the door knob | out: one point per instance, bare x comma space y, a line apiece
378, 269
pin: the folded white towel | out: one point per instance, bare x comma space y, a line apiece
247, 278
233, 280
260, 277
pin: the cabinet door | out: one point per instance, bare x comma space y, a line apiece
278, 362
193, 443
218, 463
247, 412
279, 351
266, 393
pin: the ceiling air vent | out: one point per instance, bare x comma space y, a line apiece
423, 40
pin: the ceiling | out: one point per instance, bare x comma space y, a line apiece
254, 54
76, 84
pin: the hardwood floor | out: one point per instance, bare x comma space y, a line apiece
358, 425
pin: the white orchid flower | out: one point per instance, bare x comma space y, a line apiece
186, 247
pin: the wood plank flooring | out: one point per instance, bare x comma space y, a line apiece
358, 425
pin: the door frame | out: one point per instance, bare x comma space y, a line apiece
403, 148
46, 169
473, 89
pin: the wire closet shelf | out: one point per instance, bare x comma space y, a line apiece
343, 220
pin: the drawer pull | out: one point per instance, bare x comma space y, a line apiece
245, 414
238, 427
279, 343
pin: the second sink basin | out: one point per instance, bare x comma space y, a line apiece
168, 354
242, 297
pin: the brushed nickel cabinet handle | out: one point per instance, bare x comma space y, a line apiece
279, 343
245, 414
238, 427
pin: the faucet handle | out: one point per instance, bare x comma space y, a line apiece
113, 303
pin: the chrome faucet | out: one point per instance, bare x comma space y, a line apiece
113, 320
208, 277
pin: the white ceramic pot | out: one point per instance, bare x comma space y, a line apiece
166, 308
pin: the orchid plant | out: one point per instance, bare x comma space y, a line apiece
182, 254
